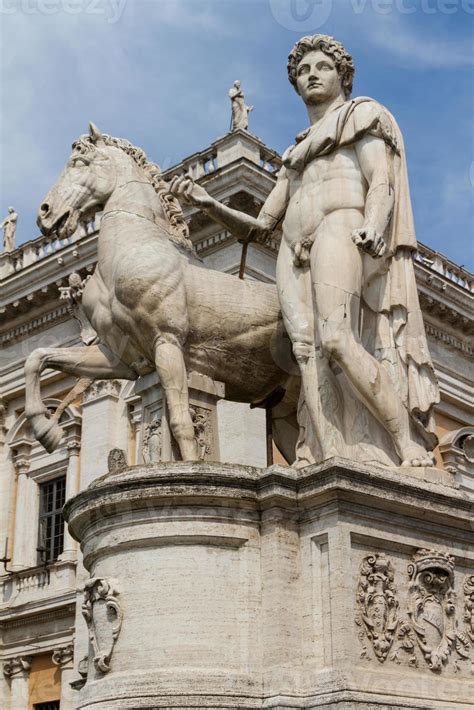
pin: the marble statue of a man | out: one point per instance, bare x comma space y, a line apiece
9, 229
345, 275
240, 111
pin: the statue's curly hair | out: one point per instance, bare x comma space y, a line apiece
330, 46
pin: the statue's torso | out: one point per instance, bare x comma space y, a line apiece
326, 184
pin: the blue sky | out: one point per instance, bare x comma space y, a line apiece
157, 72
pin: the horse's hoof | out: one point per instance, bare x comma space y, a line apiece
47, 432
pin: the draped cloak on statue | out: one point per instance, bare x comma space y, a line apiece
394, 331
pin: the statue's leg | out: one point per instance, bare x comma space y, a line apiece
296, 301
93, 361
171, 369
336, 266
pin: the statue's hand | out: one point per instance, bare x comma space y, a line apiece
184, 187
369, 241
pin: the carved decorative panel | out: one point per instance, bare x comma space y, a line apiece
103, 616
152, 441
202, 430
432, 605
378, 606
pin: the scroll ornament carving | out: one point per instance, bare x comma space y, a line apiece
378, 615
103, 617
64, 655
408, 642
431, 605
17, 666
152, 441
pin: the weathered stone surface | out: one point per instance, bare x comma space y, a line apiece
240, 587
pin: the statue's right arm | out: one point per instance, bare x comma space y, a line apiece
240, 224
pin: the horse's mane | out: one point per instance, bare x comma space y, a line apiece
179, 232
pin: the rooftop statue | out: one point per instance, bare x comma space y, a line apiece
240, 111
9, 230
155, 306
345, 274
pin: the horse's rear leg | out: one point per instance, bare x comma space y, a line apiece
94, 361
171, 370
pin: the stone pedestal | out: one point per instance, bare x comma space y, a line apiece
227, 586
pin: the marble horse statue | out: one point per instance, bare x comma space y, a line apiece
151, 304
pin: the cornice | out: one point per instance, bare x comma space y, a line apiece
19, 616
438, 333
45, 320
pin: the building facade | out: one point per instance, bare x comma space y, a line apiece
43, 637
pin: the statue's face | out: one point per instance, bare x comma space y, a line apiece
317, 78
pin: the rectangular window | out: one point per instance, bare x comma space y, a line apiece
52, 705
51, 521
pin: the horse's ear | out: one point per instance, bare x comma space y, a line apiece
94, 132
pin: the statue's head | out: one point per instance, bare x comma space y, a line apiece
11, 209
237, 84
333, 49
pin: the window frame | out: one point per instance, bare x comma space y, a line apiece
47, 550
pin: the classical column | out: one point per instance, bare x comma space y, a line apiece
26, 513
18, 669
63, 657
72, 488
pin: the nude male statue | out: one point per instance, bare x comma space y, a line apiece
343, 202
9, 228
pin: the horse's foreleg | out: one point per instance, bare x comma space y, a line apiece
94, 361
171, 370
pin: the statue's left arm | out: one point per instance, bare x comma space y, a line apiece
372, 155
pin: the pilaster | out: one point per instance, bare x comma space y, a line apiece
18, 670
26, 511
63, 657
104, 427
73, 447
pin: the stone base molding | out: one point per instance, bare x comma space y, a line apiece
226, 586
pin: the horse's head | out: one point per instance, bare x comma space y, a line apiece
83, 187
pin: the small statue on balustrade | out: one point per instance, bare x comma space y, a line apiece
9, 230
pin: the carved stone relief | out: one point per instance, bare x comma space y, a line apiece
103, 616
203, 430
408, 643
430, 625
152, 441
378, 606
101, 388
17, 666
63, 656
431, 605
468, 590
116, 460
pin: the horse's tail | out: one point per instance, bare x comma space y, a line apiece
81, 385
